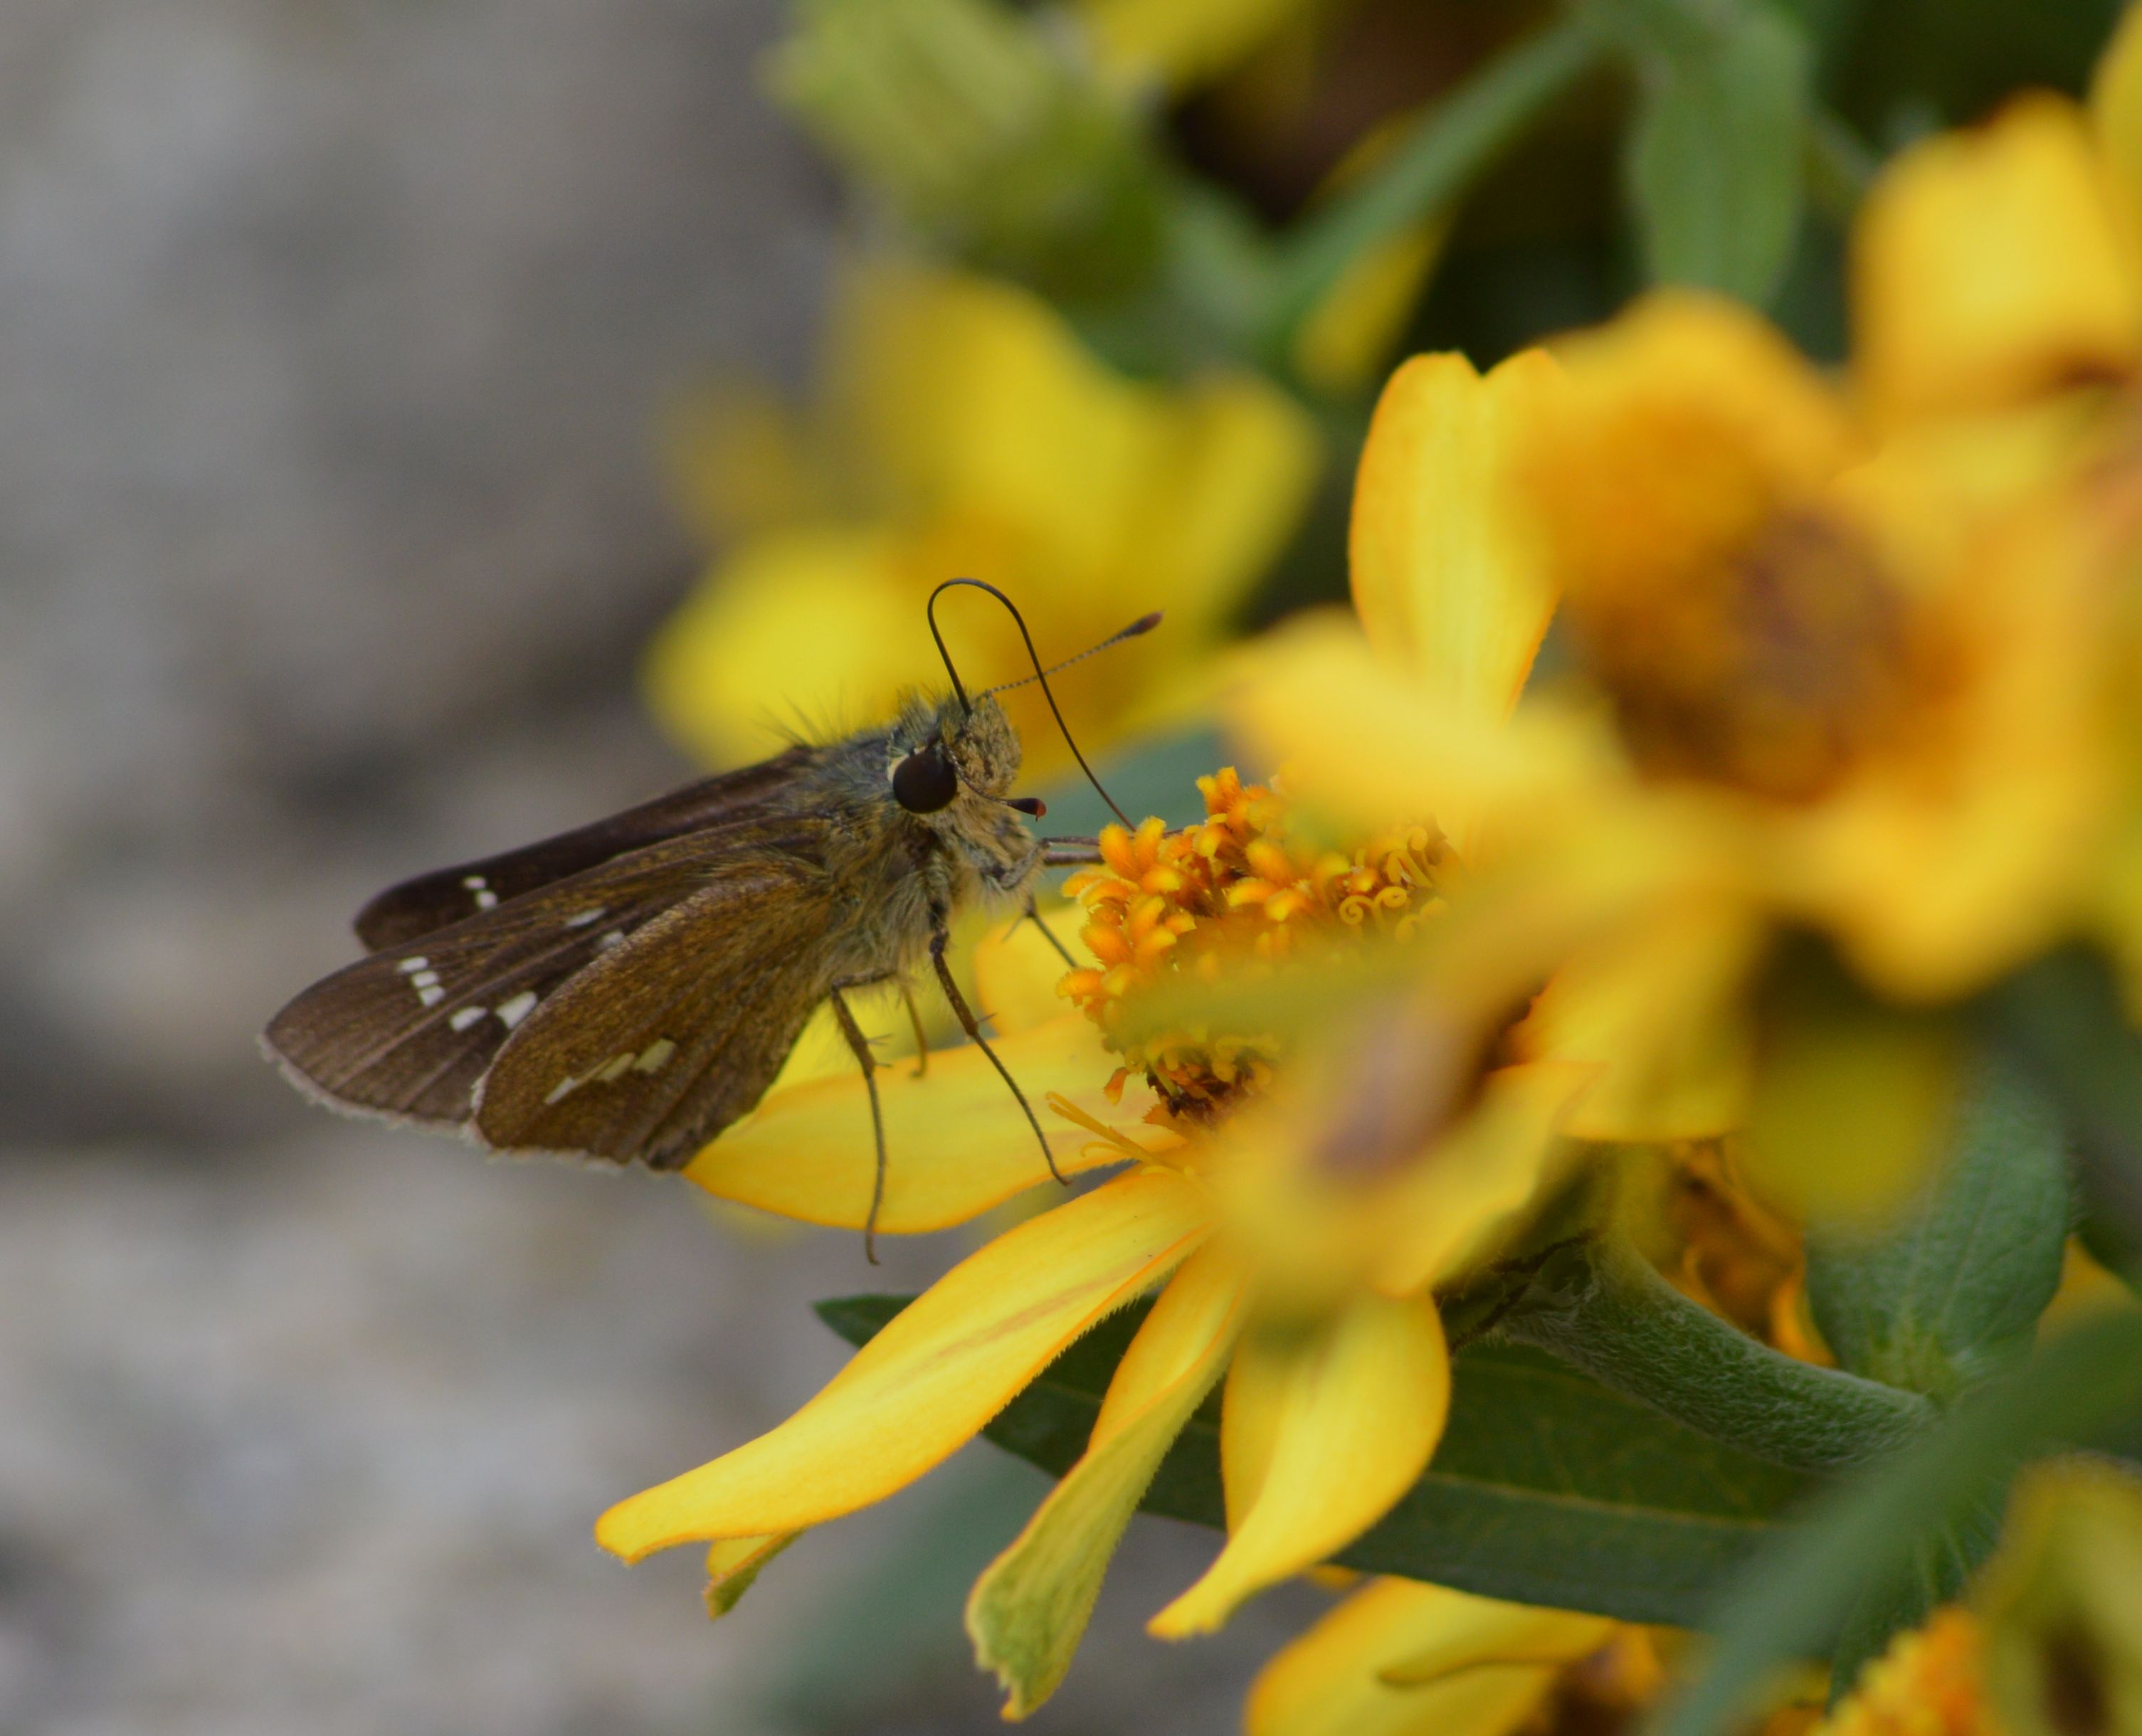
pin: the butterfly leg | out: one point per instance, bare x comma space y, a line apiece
940, 937
868, 1062
921, 1036
1049, 934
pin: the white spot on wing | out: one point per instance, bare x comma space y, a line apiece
563, 1089
655, 1056
612, 938
485, 897
615, 1068
583, 918
467, 1016
409, 965
424, 979
512, 1012
432, 995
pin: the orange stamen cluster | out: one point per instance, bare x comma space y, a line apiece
1236, 894
1929, 1683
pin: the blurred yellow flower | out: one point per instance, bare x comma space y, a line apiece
962, 429
2048, 1641
1840, 672
1930, 1682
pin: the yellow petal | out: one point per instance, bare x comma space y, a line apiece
1683, 426
1447, 579
809, 628
1941, 866
1348, 337
1465, 1198
1365, 1395
1653, 1005
733, 1563
926, 1385
979, 402
1989, 266
956, 1142
1364, 741
1016, 971
1178, 44
1250, 1418
958, 407
1455, 1631
1852, 1099
1329, 1682
2115, 110
1030, 1607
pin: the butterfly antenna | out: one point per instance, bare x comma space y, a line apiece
1144, 625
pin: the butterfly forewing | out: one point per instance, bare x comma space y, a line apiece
655, 1047
431, 901
410, 1031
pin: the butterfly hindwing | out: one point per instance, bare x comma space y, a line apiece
656, 1047
445, 896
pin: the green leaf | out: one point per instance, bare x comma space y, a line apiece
1547, 1488
1946, 1296
1871, 1539
1427, 171
1717, 155
2064, 1021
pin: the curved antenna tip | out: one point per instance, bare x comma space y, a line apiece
1143, 624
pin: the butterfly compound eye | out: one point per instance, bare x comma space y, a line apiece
924, 782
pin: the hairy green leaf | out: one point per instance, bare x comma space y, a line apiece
1547, 1488
1942, 1297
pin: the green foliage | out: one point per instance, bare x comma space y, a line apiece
1715, 156
1872, 1541
1939, 1300
987, 140
1547, 1488
1943, 1297
2064, 1022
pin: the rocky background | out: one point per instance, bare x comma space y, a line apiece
332, 332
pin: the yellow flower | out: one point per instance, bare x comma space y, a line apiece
1401, 1658
1295, 1212
1837, 668
1296, 1200
1178, 45
2063, 1637
1930, 1682
963, 429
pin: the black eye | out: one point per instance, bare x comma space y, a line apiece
925, 782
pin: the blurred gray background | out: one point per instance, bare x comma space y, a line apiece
331, 335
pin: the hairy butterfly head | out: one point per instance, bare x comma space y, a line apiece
938, 753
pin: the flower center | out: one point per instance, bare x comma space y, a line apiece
1776, 669
1226, 901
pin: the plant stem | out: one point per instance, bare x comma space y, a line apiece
1447, 149
1601, 1306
